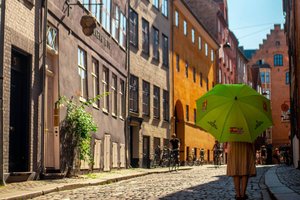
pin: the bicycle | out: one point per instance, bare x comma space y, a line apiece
217, 158
201, 157
174, 160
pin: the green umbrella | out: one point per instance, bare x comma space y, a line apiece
233, 112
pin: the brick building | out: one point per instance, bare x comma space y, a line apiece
242, 71
21, 94
272, 61
149, 82
194, 67
84, 67
291, 9
214, 15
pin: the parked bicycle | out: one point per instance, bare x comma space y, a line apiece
202, 153
217, 158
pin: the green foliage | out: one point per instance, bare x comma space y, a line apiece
80, 124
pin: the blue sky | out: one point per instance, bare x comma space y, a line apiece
252, 20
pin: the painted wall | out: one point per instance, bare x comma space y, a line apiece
186, 90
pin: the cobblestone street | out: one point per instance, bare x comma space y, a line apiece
204, 182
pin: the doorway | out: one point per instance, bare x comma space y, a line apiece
134, 146
146, 151
19, 113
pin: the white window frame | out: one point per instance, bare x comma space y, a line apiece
95, 77
82, 73
105, 14
105, 81
193, 35
176, 18
199, 43
185, 28
114, 98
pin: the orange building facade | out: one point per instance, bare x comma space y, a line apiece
272, 60
194, 64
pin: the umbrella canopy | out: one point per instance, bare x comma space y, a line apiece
233, 112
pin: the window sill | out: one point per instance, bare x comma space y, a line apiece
82, 99
95, 106
105, 111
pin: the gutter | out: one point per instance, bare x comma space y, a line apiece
2, 181
44, 15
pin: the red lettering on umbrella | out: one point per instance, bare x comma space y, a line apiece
236, 130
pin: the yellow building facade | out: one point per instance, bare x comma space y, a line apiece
193, 69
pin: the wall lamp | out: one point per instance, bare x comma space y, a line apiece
227, 45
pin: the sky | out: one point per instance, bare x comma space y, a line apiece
252, 20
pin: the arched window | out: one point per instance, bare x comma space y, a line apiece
278, 60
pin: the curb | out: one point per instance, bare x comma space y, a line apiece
276, 189
70, 186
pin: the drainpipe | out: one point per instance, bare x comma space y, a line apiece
127, 127
45, 15
2, 181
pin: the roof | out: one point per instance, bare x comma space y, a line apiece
249, 53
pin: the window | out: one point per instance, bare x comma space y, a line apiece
267, 77
212, 55
166, 105
287, 78
207, 85
187, 113
105, 82
51, 37
194, 74
105, 15
176, 18
184, 28
156, 3
165, 50
278, 60
206, 49
93, 6
186, 69
115, 24
155, 43
122, 99
122, 30
133, 28
156, 102
201, 79
220, 76
95, 77
193, 35
195, 115
199, 43
277, 43
262, 77
82, 73
114, 95
146, 98
145, 36
133, 93
177, 63
165, 8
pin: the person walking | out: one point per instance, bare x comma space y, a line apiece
175, 144
241, 165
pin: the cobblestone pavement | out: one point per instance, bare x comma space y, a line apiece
289, 176
204, 182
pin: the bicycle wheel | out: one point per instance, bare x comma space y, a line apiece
190, 161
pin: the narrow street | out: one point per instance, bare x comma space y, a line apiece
204, 182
